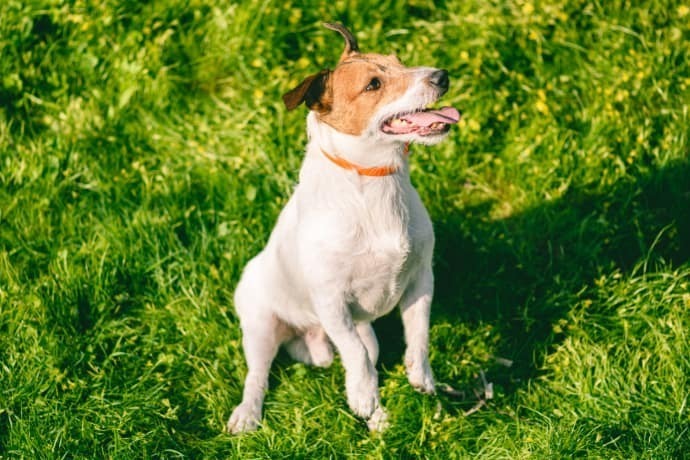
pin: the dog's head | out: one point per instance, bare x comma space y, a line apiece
375, 95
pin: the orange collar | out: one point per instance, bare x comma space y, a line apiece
375, 171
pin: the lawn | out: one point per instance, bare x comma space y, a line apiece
145, 154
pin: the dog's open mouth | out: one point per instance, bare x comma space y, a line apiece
426, 122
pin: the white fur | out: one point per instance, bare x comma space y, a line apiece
346, 250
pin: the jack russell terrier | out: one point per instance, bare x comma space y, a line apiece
354, 240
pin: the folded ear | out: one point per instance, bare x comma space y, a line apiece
311, 91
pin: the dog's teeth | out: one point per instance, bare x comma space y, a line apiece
399, 123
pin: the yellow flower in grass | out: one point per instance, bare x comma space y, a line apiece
302, 63
473, 125
295, 16
540, 105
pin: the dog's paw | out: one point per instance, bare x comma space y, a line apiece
421, 377
378, 421
323, 361
244, 418
363, 394
363, 405
312, 348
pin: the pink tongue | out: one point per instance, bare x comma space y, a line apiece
448, 115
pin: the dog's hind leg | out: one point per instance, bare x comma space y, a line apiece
262, 334
261, 338
313, 347
260, 342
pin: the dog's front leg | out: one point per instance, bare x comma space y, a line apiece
361, 378
415, 309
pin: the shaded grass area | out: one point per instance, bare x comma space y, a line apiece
145, 154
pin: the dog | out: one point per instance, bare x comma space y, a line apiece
354, 239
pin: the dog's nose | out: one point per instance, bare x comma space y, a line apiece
439, 79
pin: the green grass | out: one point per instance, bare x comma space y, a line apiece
144, 157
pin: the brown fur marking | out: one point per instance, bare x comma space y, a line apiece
351, 105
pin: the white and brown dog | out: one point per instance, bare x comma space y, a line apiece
354, 240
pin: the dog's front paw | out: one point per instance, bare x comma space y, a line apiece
363, 404
244, 418
421, 377
378, 421
363, 394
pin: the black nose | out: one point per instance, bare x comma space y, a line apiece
440, 80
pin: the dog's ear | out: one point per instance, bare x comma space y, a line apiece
351, 46
310, 91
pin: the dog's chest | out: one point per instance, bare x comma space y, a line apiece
382, 261
379, 276
366, 241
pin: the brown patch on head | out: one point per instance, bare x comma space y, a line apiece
349, 96
359, 86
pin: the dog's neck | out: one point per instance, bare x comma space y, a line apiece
365, 151
384, 197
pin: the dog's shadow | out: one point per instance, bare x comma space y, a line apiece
522, 274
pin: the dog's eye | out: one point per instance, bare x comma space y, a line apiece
374, 84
